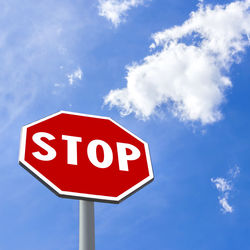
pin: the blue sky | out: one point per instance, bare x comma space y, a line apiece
178, 81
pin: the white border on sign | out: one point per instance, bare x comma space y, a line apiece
75, 195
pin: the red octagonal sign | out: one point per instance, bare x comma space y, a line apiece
85, 157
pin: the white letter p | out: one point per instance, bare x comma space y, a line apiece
123, 157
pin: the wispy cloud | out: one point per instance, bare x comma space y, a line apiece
116, 10
188, 70
30, 52
225, 186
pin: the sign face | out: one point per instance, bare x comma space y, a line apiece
85, 157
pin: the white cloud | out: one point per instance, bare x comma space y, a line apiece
116, 10
225, 186
222, 184
234, 172
189, 71
226, 208
77, 74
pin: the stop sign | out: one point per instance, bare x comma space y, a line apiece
85, 157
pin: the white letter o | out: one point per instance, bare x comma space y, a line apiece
108, 154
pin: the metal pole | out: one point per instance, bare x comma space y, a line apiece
86, 225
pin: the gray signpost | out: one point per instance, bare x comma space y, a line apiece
86, 225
